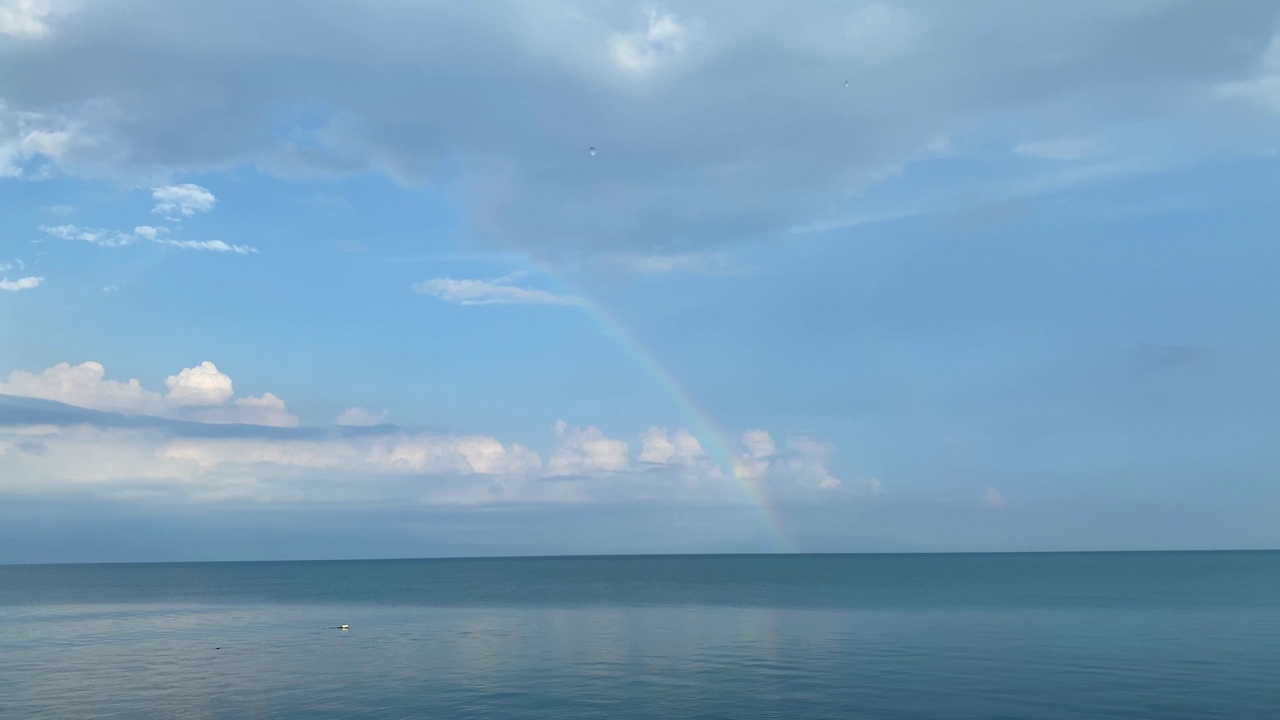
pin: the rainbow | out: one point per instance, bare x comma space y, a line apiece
715, 442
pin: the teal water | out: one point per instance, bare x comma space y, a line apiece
1071, 636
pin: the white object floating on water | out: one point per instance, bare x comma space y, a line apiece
344, 627
592, 151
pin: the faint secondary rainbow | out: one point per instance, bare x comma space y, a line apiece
715, 443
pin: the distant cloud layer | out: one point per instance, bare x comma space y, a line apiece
181, 452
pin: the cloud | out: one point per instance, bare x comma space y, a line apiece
25, 19
1262, 90
105, 238
187, 200
201, 394
804, 464
586, 451
732, 129
1060, 149
360, 417
660, 447
704, 263
49, 447
203, 384
26, 283
158, 235
501, 291
755, 462
210, 245
992, 498
664, 38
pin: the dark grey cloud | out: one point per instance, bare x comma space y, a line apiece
732, 122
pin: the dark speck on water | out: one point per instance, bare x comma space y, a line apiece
1089, 636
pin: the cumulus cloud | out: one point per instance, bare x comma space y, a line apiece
186, 199
586, 451
201, 393
360, 417
803, 464
661, 447
502, 291
26, 283
203, 384
734, 128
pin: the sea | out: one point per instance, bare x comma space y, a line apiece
1069, 636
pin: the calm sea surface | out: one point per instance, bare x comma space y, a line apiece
1079, 636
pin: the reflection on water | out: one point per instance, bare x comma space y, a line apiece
645, 660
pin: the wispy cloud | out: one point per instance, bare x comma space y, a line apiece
698, 263
159, 235
500, 291
26, 283
210, 245
105, 238
360, 417
1068, 148
187, 200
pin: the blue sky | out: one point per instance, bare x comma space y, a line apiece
313, 280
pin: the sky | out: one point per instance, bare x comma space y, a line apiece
321, 279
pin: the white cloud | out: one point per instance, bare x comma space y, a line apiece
586, 451
201, 394
755, 462
186, 199
85, 386
804, 465
663, 38
360, 417
184, 461
660, 447
26, 283
1068, 148
25, 19
992, 498
210, 245
501, 291
118, 238
106, 238
413, 468
266, 409
203, 384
